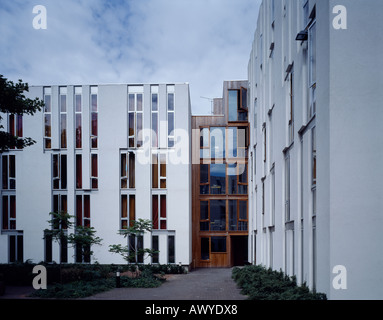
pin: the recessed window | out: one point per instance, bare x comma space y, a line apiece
171, 116
135, 118
78, 116
9, 172
238, 105
159, 218
63, 117
94, 171
127, 170
128, 210
47, 118
94, 117
59, 171
9, 212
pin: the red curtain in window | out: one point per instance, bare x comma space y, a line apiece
155, 211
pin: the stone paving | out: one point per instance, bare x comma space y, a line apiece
199, 284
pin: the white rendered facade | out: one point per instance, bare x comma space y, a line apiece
314, 107
109, 171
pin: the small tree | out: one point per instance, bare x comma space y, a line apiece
13, 101
132, 253
83, 238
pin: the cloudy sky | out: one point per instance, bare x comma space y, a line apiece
203, 42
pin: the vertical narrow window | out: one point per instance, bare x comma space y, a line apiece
47, 119
162, 171
78, 116
94, 117
78, 171
158, 171
155, 247
124, 170
15, 126
312, 68
63, 117
155, 211
272, 197
82, 219
163, 212
233, 215
59, 171
155, 171
204, 216
9, 172
155, 117
291, 111
204, 178
16, 248
287, 188
124, 212
83, 210
171, 249
132, 173
159, 211
314, 171
135, 118
314, 157
132, 209
171, 116
233, 105
94, 171
4, 169
9, 212
204, 143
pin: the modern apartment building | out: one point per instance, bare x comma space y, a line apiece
220, 180
314, 111
106, 154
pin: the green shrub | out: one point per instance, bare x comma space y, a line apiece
260, 283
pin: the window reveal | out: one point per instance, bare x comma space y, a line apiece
135, 120
47, 118
63, 117
59, 171
159, 218
94, 117
128, 210
78, 116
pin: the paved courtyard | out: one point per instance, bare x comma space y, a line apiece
200, 284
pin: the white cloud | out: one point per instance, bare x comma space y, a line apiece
203, 42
